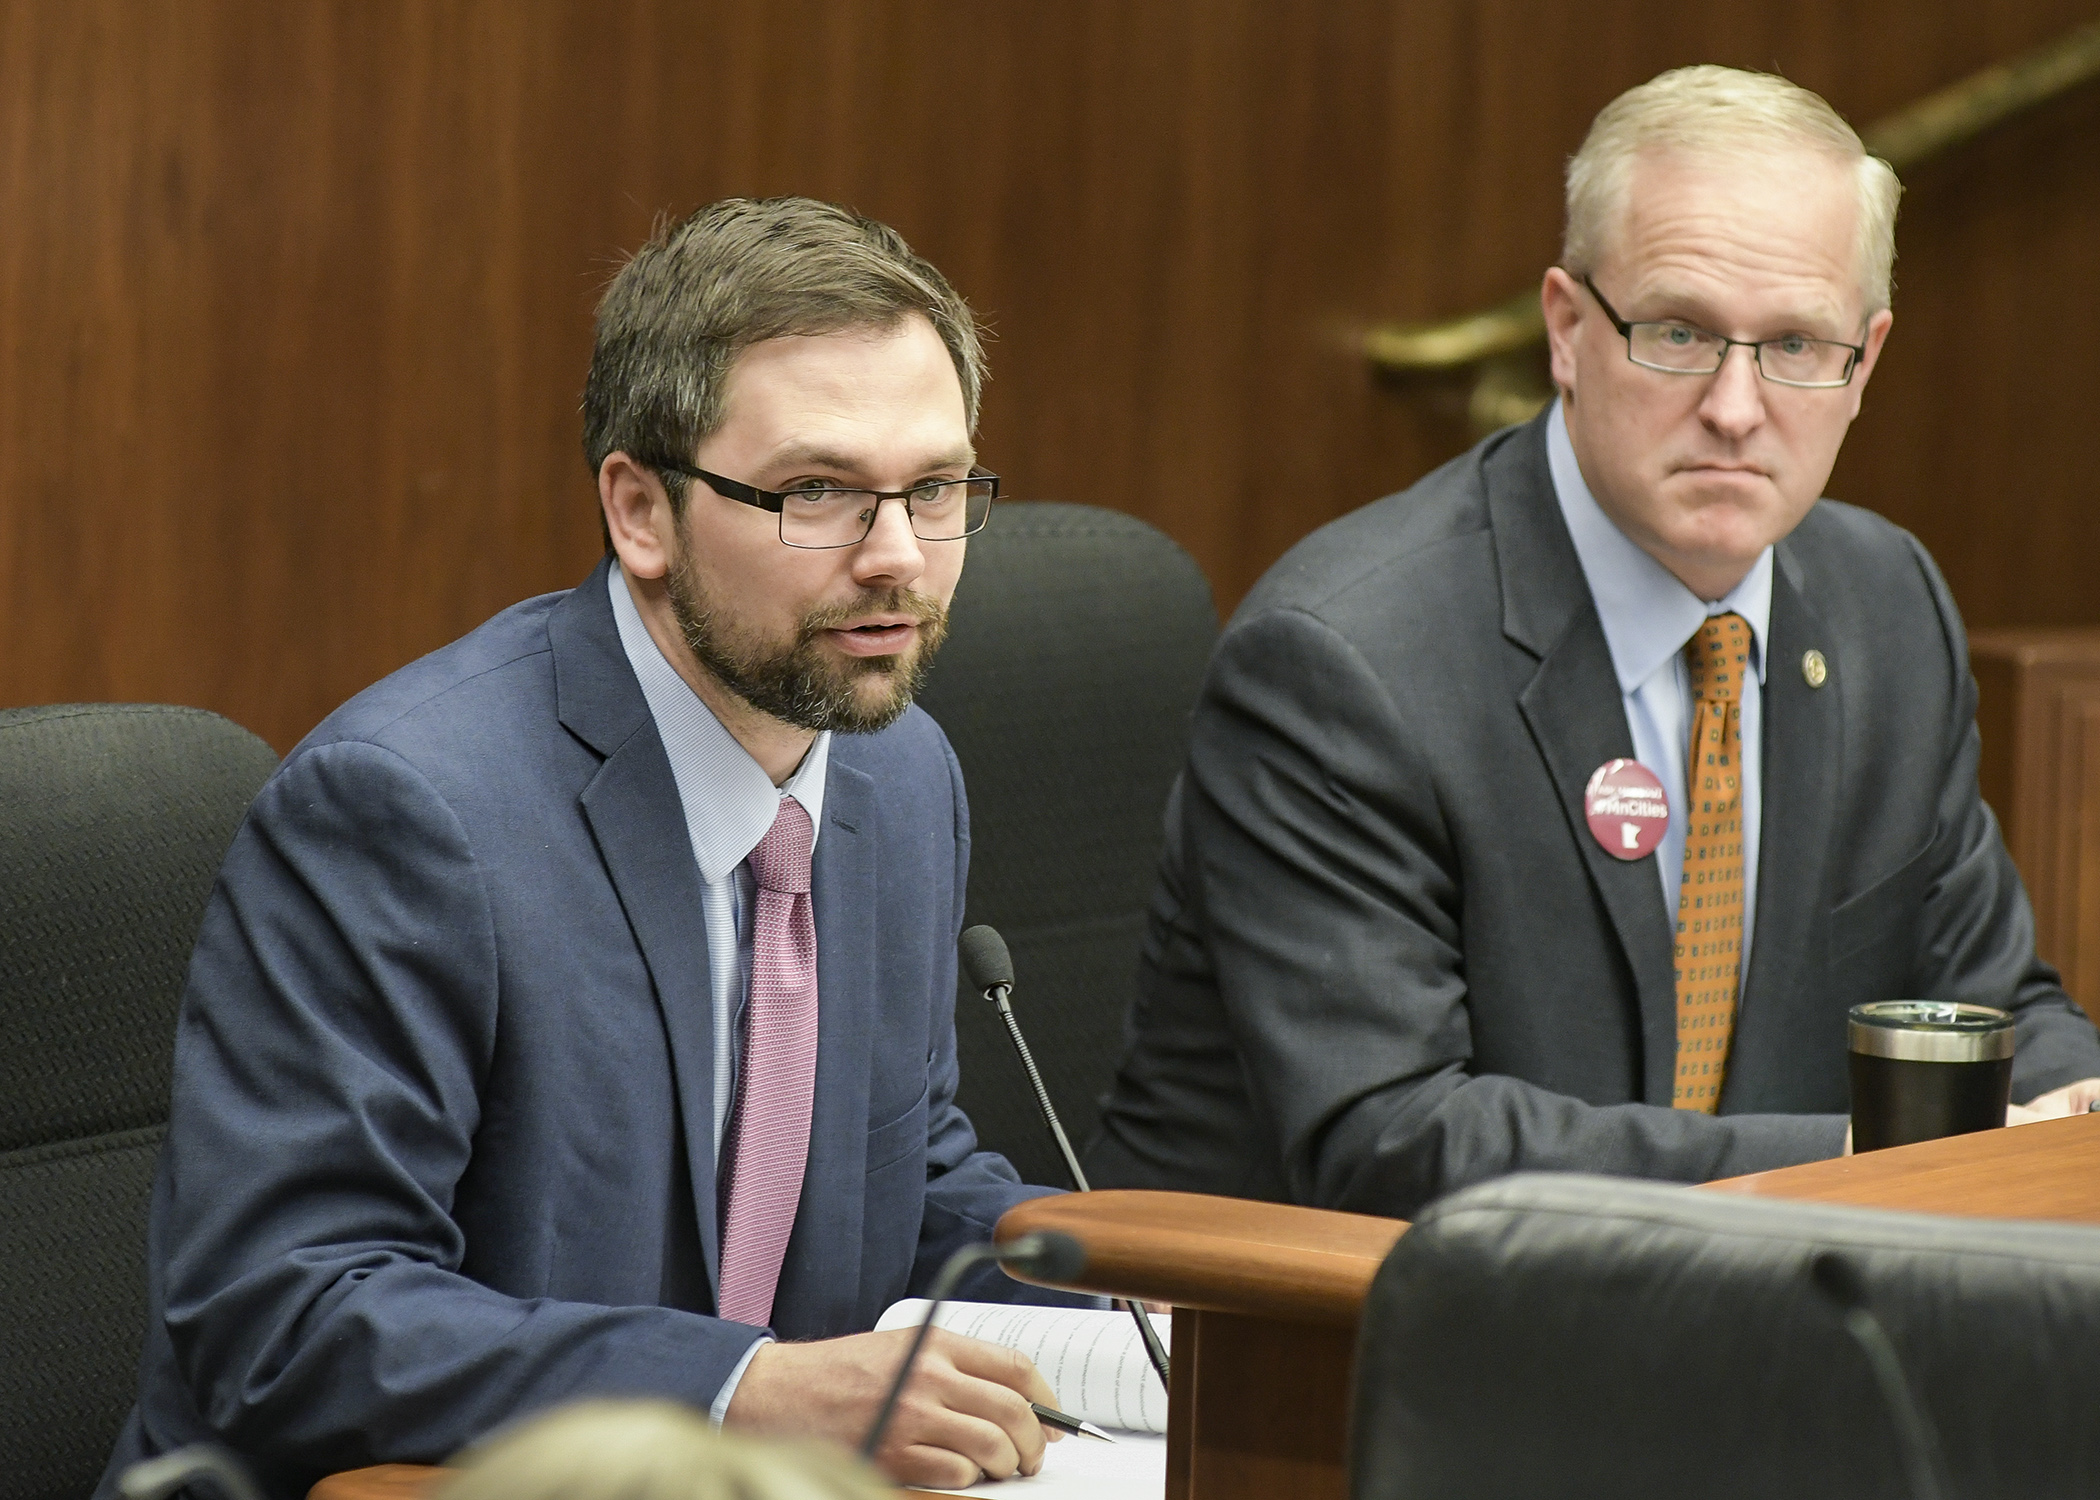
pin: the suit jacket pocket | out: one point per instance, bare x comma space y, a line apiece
892, 1142
1874, 935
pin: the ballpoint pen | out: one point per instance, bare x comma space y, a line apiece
1051, 1417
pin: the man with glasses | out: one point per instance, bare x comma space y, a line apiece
1551, 814
575, 1009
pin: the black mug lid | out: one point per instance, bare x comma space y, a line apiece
1930, 1031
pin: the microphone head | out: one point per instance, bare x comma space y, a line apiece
1044, 1254
1838, 1279
985, 961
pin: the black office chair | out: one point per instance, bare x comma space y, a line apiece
113, 820
1561, 1335
1078, 640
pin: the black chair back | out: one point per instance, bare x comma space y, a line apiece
1079, 637
113, 820
1565, 1335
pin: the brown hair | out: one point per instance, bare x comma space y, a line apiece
734, 274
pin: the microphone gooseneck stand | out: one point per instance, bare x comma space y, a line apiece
1045, 1253
990, 968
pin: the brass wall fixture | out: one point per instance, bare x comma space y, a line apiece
1503, 346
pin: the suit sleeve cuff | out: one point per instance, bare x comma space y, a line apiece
724, 1396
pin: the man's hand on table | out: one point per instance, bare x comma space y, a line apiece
2071, 1099
965, 1411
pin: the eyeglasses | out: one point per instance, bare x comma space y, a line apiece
818, 516
1686, 349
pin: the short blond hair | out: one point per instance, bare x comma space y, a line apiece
651, 1450
1708, 110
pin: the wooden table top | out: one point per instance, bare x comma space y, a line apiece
2049, 1170
380, 1482
1270, 1260
1312, 1265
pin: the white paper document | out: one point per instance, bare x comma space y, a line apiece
1095, 1361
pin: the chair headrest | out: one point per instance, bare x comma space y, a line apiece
1568, 1334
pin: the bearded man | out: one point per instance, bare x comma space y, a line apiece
502, 1077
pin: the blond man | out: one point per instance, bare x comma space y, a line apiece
1551, 814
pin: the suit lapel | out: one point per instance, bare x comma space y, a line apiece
1560, 705
638, 822
1573, 709
1803, 746
820, 1280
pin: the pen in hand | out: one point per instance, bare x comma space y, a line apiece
1051, 1417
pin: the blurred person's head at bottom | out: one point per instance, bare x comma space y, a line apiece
652, 1450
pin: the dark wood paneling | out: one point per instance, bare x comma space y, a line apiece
295, 295
2040, 723
1266, 1412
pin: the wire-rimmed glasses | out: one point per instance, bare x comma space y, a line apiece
1679, 348
820, 516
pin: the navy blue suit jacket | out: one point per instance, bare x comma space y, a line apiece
442, 1107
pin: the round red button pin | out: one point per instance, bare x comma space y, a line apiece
1627, 809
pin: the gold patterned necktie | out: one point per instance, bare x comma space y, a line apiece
1710, 900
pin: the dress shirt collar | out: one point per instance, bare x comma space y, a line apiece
730, 802
1648, 615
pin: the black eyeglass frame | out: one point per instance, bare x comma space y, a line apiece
1756, 347
776, 500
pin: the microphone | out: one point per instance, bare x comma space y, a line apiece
990, 968
1046, 1253
155, 1478
991, 972
1842, 1285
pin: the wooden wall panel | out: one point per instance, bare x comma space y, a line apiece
2040, 771
294, 294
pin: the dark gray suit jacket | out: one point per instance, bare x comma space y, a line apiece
442, 1141
1387, 959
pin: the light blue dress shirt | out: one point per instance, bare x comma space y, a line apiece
730, 803
1649, 617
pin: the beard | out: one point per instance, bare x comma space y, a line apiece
800, 683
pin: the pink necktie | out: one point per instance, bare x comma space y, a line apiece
769, 1141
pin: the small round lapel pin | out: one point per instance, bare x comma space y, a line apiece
1814, 670
1626, 809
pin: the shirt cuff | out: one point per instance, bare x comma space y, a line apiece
725, 1395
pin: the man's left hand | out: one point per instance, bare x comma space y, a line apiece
2071, 1099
